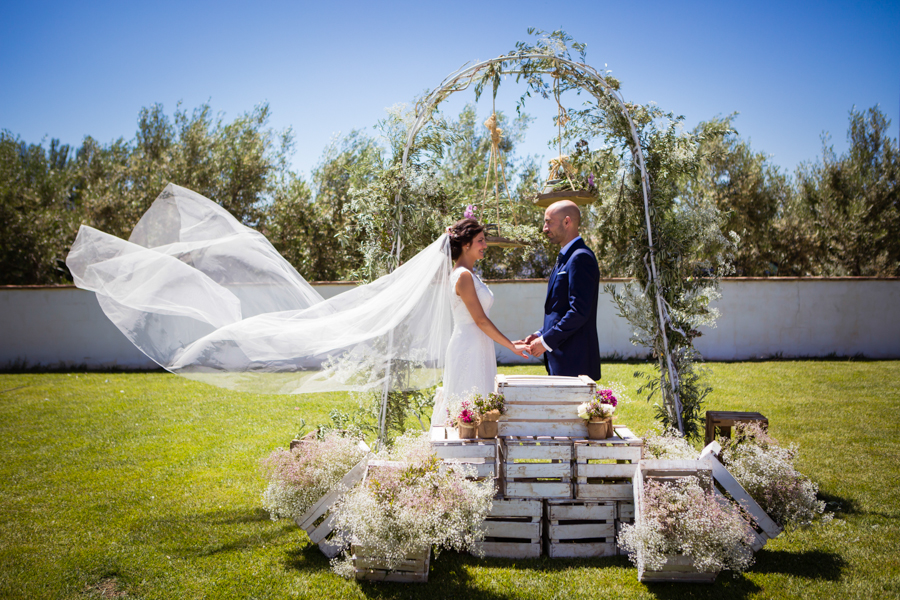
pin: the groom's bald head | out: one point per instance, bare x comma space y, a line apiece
561, 222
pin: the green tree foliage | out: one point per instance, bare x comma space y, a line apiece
46, 194
850, 202
37, 195
752, 193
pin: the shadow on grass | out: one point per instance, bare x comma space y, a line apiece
810, 565
839, 505
188, 536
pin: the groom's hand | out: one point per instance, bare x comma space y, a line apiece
528, 340
535, 347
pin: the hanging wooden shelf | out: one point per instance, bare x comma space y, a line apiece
579, 197
492, 237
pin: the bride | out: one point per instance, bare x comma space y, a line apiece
210, 299
471, 362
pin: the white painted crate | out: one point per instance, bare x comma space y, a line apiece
765, 528
543, 405
604, 469
370, 567
317, 522
513, 529
536, 467
677, 568
580, 529
482, 454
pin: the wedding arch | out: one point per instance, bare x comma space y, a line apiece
532, 63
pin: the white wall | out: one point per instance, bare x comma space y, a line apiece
64, 326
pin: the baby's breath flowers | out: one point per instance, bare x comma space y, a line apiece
299, 477
766, 470
416, 504
669, 444
681, 518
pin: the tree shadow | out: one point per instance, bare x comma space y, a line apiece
189, 536
840, 505
809, 565
725, 586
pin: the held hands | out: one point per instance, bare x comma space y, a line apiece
535, 347
522, 349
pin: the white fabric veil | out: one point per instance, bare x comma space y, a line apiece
210, 299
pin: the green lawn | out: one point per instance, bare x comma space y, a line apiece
147, 486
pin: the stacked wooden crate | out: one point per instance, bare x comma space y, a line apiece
317, 522
513, 529
543, 406
604, 469
580, 529
482, 455
536, 467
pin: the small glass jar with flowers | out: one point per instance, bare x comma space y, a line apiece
598, 412
489, 408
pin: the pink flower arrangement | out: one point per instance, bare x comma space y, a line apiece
467, 414
470, 212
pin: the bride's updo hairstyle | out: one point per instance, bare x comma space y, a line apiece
461, 234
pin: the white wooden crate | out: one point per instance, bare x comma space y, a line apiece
543, 405
765, 528
513, 529
604, 469
677, 568
482, 454
317, 522
536, 467
580, 529
370, 567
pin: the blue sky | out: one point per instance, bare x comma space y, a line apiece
791, 69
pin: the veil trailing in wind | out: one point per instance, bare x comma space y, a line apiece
210, 299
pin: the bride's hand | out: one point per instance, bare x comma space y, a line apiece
522, 350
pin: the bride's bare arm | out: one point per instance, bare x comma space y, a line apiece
465, 289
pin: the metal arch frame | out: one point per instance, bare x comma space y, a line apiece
461, 80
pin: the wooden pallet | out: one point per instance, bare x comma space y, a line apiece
604, 469
536, 467
580, 529
413, 569
543, 405
677, 568
765, 528
513, 529
482, 454
317, 522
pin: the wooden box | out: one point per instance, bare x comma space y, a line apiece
317, 522
513, 529
536, 467
543, 405
724, 420
765, 528
413, 569
580, 529
604, 469
677, 567
482, 454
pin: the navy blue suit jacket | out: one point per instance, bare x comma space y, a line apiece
570, 315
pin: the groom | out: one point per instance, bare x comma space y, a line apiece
568, 339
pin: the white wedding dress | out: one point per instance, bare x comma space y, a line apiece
471, 362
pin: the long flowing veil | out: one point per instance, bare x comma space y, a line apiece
210, 299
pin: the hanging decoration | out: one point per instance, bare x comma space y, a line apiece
495, 169
561, 170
